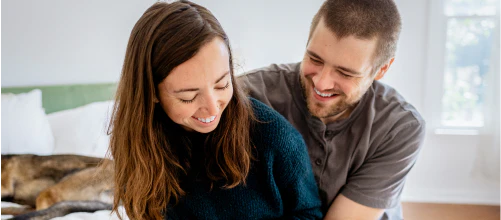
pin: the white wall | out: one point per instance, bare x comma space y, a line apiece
65, 42
262, 31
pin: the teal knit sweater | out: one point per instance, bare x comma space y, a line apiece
280, 184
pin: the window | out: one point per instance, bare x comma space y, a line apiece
462, 44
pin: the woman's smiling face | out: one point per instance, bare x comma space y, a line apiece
195, 93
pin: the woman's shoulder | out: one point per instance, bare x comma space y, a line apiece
267, 116
272, 127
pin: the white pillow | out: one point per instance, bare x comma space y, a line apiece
102, 214
25, 127
82, 130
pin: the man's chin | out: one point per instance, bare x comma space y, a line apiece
325, 111
319, 114
317, 111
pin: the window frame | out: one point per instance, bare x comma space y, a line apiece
435, 69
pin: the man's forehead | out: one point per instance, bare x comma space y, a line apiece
349, 52
321, 26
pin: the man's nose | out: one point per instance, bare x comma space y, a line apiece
324, 79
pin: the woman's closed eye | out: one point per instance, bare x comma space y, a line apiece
188, 101
193, 99
224, 87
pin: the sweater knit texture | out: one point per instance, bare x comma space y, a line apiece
280, 184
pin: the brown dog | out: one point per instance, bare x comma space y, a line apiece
42, 181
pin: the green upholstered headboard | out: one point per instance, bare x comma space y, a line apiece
62, 97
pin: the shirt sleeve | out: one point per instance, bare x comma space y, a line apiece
378, 183
254, 86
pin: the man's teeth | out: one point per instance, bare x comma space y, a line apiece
323, 94
207, 120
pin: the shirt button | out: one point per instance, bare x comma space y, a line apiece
318, 162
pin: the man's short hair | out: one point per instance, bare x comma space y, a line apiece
364, 19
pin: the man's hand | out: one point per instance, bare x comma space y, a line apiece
345, 209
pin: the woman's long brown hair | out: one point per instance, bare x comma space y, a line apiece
146, 160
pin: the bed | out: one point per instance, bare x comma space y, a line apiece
65, 119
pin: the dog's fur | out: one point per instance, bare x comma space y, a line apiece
39, 182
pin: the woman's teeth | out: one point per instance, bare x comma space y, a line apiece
207, 120
323, 94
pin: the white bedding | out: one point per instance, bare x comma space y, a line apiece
79, 131
22, 117
99, 215
8, 204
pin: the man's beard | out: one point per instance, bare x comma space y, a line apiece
320, 110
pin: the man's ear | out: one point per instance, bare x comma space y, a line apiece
384, 69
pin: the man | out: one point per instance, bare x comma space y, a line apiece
363, 137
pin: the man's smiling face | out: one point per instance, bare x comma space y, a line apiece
335, 72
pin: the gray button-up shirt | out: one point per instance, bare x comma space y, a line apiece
366, 156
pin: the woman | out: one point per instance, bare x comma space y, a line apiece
187, 143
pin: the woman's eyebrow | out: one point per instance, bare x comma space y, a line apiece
186, 90
222, 77
196, 89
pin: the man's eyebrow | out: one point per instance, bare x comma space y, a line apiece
196, 89
349, 70
345, 69
313, 54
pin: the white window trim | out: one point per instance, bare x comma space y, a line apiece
434, 76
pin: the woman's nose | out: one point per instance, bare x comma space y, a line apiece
212, 104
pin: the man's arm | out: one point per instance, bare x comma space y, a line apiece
345, 209
376, 185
